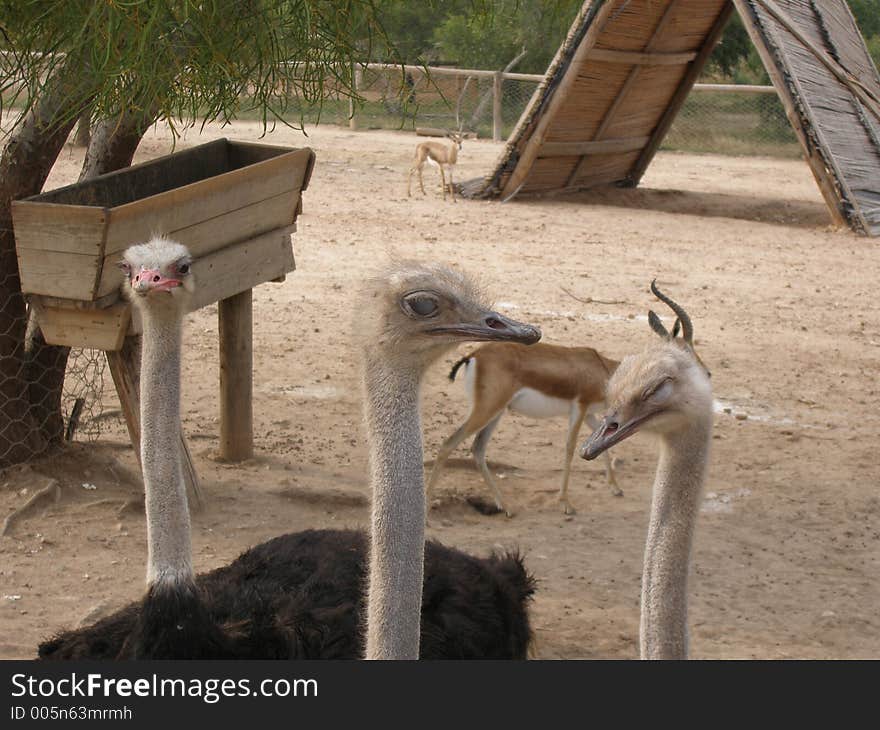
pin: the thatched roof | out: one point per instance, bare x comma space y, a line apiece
626, 67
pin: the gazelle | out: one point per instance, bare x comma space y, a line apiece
539, 381
437, 153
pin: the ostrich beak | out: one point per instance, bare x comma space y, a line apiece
147, 280
612, 431
491, 327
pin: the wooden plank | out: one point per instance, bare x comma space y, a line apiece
841, 74
823, 176
125, 367
56, 274
497, 91
191, 204
693, 73
241, 267
202, 238
641, 58
96, 329
58, 303
532, 148
75, 229
836, 128
600, 147
630, 82
236, 377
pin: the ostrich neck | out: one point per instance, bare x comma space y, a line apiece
397, 536
168, 532
677, 490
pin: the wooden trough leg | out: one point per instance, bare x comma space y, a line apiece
125, 366
236, 377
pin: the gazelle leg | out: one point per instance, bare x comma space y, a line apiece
451, 185
449, 445
409, 183
421, 182
443, 181
575, 419
481, 441
478, 419
609, 465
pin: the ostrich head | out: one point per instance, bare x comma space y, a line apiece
158, 273
418, 311
662, 390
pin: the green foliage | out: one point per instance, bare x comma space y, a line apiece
867, 15
192, 60
874, 49
474, 34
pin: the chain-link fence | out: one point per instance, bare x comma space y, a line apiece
733, 120
719, 118
48, 395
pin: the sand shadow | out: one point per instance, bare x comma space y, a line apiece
778, 211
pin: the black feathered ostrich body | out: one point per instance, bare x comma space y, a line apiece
306, 594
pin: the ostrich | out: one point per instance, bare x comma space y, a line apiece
301, 595
664, 390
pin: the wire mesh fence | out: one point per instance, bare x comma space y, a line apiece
48, 395
716, 118
82, 397
733, 121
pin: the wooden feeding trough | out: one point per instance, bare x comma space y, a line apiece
233, 204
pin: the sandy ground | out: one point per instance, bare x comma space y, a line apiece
788, 546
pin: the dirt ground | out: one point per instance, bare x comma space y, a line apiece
787, 551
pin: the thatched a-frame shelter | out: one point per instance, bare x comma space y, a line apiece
626, 67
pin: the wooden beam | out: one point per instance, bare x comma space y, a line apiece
840, 73
95, 329
684, 88
636, 58
824, 177
631, 79
236, 377
595, 147
497, 91
570, 74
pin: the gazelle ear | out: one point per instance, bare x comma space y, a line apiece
676, 328
656, 324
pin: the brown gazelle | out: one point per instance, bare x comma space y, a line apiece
539, 381
437, 153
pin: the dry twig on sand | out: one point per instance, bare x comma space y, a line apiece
590, 300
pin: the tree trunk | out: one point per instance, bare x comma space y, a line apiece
112, 147
83, 135
24, 167
114, 142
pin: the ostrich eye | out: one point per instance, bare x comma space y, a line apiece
421, 304
183, 267
659, 391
